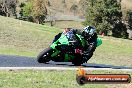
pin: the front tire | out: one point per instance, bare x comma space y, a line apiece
45, 55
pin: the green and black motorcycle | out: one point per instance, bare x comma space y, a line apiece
66, 49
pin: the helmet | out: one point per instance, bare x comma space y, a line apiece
88, 31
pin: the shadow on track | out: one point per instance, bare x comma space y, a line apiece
88, 65
93, 65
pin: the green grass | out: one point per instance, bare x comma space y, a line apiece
28, 39
18, 52
49, 79
24, 38
113, 51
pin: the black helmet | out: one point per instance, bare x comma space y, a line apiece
88, 32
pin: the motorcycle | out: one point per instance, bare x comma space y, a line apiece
68, 48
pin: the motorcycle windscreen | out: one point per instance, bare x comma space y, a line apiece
71, 37
63, 39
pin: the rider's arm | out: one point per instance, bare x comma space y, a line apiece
94, 40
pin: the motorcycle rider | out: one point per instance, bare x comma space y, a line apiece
89, 34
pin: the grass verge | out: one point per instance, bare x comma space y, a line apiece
52, 79
113, 51
24, 38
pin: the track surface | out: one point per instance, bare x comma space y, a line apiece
19, 61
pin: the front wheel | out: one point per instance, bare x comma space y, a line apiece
45, 55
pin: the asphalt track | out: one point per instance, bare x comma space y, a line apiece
20, 62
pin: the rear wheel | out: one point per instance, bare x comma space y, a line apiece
45, 55
77, 63
77, 60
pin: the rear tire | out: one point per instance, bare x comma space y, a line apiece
76, 63
45, 55
77, 60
